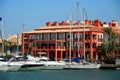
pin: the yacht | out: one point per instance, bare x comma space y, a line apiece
3, 66
51, 65
31, 64
10, 65
83, 64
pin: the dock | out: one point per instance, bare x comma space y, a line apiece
108, 66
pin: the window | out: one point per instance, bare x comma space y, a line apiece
99, 44
68, 36
46, 37
39, 36
61, 36
26, 37
30, 45
94, 45
94, 36
100, 38
87, 36
87, 45
26, 46
76, 45
80, 36
53, 36
32, 37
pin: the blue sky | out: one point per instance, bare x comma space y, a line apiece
35, 13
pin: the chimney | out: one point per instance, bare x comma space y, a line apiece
48, 23
97, 23
63, 23
78, 22
55, 23
112, 25
115, 23
86, 22
90, 22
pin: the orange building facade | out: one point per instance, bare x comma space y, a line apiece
54, 40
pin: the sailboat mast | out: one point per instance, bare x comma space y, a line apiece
84, 32
70, 22
17, 44
2, 36
23, 38
78, 36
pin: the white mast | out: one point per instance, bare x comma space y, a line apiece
17, 44
2, 36
70, 22
23, 38
84, 33
78, 13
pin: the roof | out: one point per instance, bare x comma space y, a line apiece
56, 29
13, 38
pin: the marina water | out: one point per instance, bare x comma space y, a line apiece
62, 75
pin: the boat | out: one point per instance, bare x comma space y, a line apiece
83, 64
14, 66
31, 64
117, 64
51, 65
3, 66
10, 65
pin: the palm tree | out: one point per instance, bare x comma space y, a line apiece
108, 47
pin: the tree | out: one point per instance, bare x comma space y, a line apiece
9, 45
108, 47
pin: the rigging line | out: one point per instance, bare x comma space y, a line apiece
85, 14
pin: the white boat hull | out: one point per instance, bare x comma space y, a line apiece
53, 65
83, 66
3, 68
12, 66
32, 66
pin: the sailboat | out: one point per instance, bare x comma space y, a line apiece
83, 64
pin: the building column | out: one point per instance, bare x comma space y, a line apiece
55, 55
91, 47
61, 55
97, 56
74, 54
48, 54
66, 55
91, 54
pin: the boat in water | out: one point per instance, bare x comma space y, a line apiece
10, 65
82, 66
3, 66
51, 65
31, 64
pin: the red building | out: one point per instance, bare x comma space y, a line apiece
54, 39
